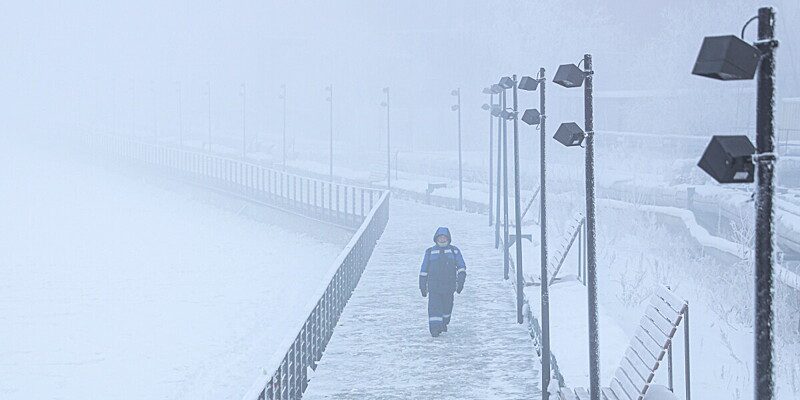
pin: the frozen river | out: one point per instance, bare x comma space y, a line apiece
114, 288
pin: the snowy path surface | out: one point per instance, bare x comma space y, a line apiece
382, 348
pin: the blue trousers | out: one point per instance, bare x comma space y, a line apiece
440, 308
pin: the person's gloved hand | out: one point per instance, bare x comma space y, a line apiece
459, 287
424, 292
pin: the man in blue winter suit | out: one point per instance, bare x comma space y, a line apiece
443, 272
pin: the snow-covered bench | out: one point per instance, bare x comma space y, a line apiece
647, 349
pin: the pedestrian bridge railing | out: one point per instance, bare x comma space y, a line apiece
364, 210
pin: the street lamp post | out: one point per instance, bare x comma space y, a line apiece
208, 87
496, 113
329, 89
457, 107
537, 117
488, 107
282, 96
502, 112
388, 145
180, 115
570, 75
505, 190
244, 120
517, 205
730, 159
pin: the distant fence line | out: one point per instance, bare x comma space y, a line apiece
364, 210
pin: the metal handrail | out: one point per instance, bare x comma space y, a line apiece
285, 374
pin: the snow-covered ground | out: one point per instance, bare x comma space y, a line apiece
113, 288
648, 246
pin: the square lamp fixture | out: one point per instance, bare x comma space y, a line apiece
726, 58
528, 83
569, 134
506, 83
531, 117
569, 76
729, 159
507, 115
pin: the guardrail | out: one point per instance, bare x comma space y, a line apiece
364, 210
340, 204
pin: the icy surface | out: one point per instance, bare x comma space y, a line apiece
382, 348
111, 288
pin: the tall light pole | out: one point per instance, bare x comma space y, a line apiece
506, 84
388, 146
329, 89
208, 88
488, 107
496, 113
244, 120
180, 115
570, 75
731, 159
535, 117
457, 107
155, 112
282, 96
517, 205
133, 108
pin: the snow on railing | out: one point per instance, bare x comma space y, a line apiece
336, 203
285, 375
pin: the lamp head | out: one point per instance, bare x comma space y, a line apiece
726, 58
569, 134
528, 83
506, 82
729, 159
532, 117
569, 76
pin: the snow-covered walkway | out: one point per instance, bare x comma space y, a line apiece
382, 348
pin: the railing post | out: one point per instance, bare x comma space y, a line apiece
338, 213
687, 364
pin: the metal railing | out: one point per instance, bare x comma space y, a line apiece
340, 204
364, 210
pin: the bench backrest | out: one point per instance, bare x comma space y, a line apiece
649, 345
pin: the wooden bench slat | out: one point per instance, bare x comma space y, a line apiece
644, 352
636, 364
669, 298
632, 374
609, 394
619, 391
567, 394
631, 389
665, 324
658, 339
655, 331
582, 394
664, 310
674, 299
649, 343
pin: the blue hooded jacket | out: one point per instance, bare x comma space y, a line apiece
443, 267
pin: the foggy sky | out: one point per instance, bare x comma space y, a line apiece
117, 65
